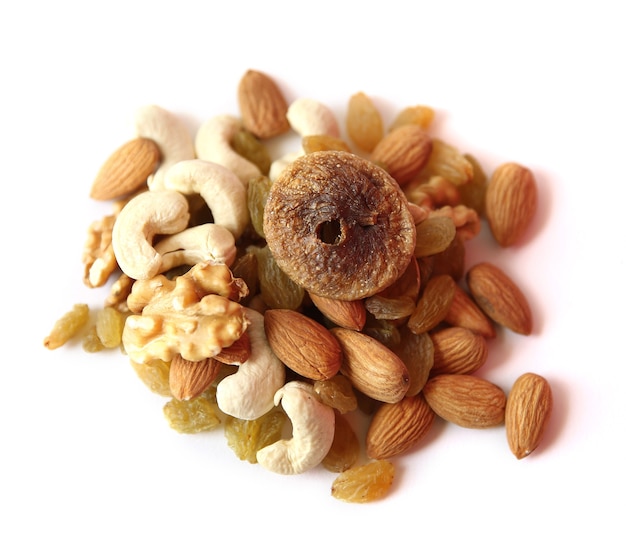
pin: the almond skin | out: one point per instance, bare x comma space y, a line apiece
302, 344
127, 169
403, 152
466, 400
510, 202
465, 312
262, 105
528, 411
189, 379
345, 313
457, 351
372, 368
395, 428
499, 297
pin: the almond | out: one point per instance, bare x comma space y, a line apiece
457, 351
465, 312
302, 344
189, 379
262, 105
510, 202
528, 411
127, 169
372, 368
345, 313
466, 400
499, 297
237, 353
395, 428
403, 152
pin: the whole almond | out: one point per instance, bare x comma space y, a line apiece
346, 313
127, 169
466, 400
395, 428
189, 379
262, 105
457, 351
372, 368
528, 411
510, 202
403, 152
499, 297
465, 312
302, 344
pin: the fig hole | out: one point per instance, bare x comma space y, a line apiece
330, 232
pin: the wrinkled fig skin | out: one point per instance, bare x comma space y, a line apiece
372, 234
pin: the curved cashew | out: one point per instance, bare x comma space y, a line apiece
146, 215
206, 242
310, 117
220, 188
279, 165
213, 144
249, 393
169, 133
313, 431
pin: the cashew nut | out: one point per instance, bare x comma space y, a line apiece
249, 393
170, 134
212, 143
206, 242
221, 189
313, 426
146, 215
310, 117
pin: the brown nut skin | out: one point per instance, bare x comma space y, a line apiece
339, 225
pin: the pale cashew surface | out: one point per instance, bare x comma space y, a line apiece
249, 393
313, 426
206, 242
310, 117
221, 189
213, 143
170, 134
146, 215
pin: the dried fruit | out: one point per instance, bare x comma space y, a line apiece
396, 428
109, 326
155, 374
276, 288
249, 147
247, 437
345, 449
528, 412
510, 202
364, 483
191, 416
364, 122
318, 142
258, 189
67, 326
466, 400
337, 392
302, 344
351, 222
433, 235
499, 297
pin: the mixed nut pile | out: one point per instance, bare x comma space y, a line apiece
277, 297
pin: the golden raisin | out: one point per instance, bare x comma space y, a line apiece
248, 437
364, 122
364, 483
155, 374
191, 416
345, 449
67, 326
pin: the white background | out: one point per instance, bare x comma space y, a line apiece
84, 445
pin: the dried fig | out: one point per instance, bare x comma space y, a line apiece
339, 225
